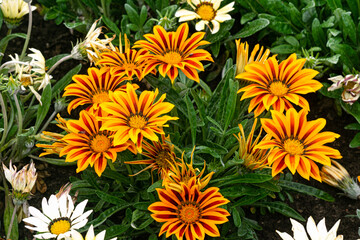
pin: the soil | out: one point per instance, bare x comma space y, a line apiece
54, 39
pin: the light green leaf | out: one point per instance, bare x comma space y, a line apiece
44, 108
65, 80
6, 39
252, 27
192, 119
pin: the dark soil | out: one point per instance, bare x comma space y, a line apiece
52, 40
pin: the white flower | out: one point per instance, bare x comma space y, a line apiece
351, 85
318, 232
90, 235
14, 10
22, 181
89, 48
208, 11
58, 217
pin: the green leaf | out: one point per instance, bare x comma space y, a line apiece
109, 198
44, 108
282, 208
353, 126
301, 188
132, 14
143, 15
237, 218
353, 110
205, 149
116, 230
348, 55
269, 185
111, 25
330, 94
354, 6
142, 205
318, 34
249, 200
349, 28
223, 33
247, 17
355, 142
155, 185
51, 61
231, 103
283, 49
6, 39
65, 80
334, 4
246, 178
57, 161
8, 211
192, 118
252, 27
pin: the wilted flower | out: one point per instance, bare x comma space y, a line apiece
318, 232
337, 176
91, 47
208, 11
58, 217
13, 11
351, 85
22, 181
90, 235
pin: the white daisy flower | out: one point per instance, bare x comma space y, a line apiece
208, 11
14, 10
58, 217
318, 232
90, 235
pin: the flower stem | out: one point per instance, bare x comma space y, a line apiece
28, 32
68, 57
20, 118
5, 46
48, 121
5, 118
11, 222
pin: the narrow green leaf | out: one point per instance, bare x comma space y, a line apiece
155, 185
65, 80
282, 208
192, 119
44, 108
132, 14
143, 15
231, 102
8, 211
109, 198
246, 178
236, 217
142, 205
252, 27
355, 142
57, 161
352, 126
334, 4
249, 200
6, 39
111, 25
51, 61
349, 28
116, 230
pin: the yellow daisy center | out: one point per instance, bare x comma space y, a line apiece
189, 212
101, 97
162, 159
100, 143
137, 121
349, 85
171, 57
59, 226
25, 81
293, 147
206, 11
129, 66
278, 88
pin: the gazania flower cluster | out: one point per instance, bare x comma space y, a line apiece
22, 181
297, 143
278, 85
208, 12
315, 232
58, 218
174, 51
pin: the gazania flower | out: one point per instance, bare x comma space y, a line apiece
129, 62
242, 55
278, 85
160, 156
90, 235
134, 117
58, 217
87, 144
87, 49
208, 11
22, 181
93, 88
350, 84
14, 11
254, 158
190, 213
337, 176
315, 232
172, 51
185, 173
297, 143
56, 138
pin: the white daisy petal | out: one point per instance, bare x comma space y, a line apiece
226, 9
222, 17
216, 4
216, 26
70, 207
90, 234
200, 25
63, 205
45, 236
100, 236
36, 222
312, 229
284, 236
82, 217
299, 230
79, 224
76, 235
36, 213
79, 210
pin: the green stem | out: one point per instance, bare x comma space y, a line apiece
128, 168
11, 222
5, 118
103, 5
20, 118
5, 46
48, 121
230, 153
68, 57
28, 32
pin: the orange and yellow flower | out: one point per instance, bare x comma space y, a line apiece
160, 156
88, 145
129, 62
172, 51
297, 143
254, 158
278, 85
191, 213
134, 117
93, 88
184, 172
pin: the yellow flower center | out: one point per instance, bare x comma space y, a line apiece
59, 226
278, 88
162, 159
189, 212
129, 66
349, 85
101, 97
293, 146
206, 11
100, 143
25, 81
171, 57
137, 121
